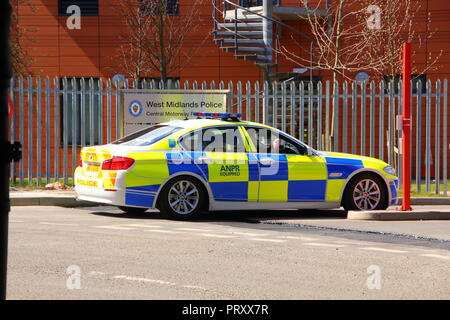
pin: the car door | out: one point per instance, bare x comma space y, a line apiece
286, 172
223, 161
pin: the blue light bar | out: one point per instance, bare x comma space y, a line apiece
217, 115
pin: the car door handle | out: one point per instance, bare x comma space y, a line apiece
267, 161
205, 160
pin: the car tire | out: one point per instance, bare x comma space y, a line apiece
365, 192
182, 198
133, 210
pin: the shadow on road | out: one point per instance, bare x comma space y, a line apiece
239, 216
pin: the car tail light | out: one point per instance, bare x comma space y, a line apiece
117, 163
80, 163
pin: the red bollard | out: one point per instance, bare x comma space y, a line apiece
406, 128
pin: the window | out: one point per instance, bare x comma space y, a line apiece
255, 3
72, 114
147, 136
415, 78
269, 141
87, 7
170, 7
214, 139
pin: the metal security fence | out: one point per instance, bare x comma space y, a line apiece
54, 118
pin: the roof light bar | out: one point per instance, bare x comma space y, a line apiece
217, 115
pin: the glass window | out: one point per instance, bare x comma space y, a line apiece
415, 78
150, 7
214, 139
87, 7
147, 136
270, 141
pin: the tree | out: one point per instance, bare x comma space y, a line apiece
397, 19
356, 35
342, 43
20, 58
153, 37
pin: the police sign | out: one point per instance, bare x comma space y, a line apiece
145, 107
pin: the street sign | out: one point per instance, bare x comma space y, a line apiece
145, 107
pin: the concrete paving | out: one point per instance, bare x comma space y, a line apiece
427, 229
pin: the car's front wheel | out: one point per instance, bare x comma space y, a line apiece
365, 192
182, 198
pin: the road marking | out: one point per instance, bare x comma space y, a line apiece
121, 277
289, 237
436, 256
383, 249
141, 225
119, 227
213, 235
194, 229
16, 221
58, 224
308, 239
97, 273
325, 245
267, 240
250, 234
163, 231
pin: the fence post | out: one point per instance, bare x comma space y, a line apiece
406, 127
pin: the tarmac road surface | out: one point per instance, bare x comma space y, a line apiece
100, 253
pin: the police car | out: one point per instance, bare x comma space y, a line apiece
218, 162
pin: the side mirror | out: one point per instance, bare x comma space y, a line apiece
310, 152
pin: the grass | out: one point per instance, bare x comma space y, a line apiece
34, 183
424, 193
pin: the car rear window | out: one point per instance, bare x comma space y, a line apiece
147, 136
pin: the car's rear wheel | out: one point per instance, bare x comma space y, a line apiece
182, 198
366, 192
133, 210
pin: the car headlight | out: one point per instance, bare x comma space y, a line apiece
389, 170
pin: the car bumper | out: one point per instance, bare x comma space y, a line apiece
99, 195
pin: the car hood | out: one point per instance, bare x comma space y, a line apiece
339, 157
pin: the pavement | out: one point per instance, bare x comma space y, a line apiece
425, 221
101, 253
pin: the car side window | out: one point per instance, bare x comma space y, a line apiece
192, 141
214, 139
270, 141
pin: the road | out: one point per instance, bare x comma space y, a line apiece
100, 253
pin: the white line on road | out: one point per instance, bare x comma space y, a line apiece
144, 280
383, 249
267, 240
436, 256
194, 229
213, 235
141, 225
289, 237
119, 227
58, 224
163, 231
16, 221
252, 234
324, 245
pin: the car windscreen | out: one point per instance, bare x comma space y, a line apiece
147, 136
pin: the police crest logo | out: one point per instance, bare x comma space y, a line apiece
135, 108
